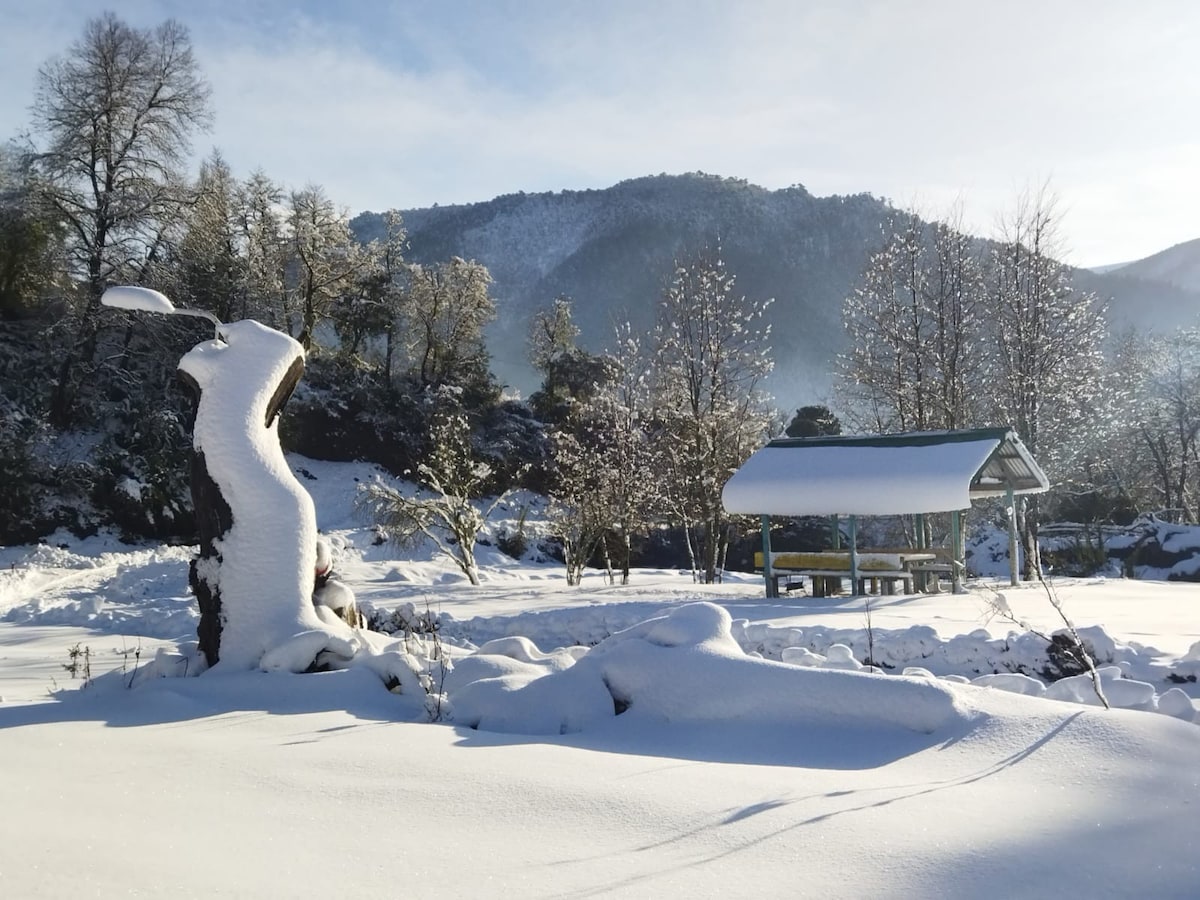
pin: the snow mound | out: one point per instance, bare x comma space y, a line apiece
685, 666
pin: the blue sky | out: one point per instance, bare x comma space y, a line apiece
926, 102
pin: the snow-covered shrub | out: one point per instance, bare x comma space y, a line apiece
514, 542
1075, 551
405, 619
1066, 657
143, 484
444, 512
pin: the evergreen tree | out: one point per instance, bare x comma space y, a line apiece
210, 269
570, 374
813, 421
325, 261
262, 232
31, 238
375, 305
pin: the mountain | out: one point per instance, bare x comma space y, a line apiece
1178, 266
613, 251
1160, 292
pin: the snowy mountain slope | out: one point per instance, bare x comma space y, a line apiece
612, 251
1178, 266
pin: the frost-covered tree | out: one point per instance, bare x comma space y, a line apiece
1164, 414
1045, 353
451, 476
263, 235
603, 484
325, 261
623, 402
446, 308
114, 116
552, 334
915, 331
955, 300
375, 304
711, 354
31, 237
579, 511
210, 263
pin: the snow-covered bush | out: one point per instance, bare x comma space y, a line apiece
445, 510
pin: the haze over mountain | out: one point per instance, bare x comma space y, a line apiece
1178, 266
613, 251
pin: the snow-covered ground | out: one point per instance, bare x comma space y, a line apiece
731, 773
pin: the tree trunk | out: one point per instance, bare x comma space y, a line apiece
711, 538
1032, 564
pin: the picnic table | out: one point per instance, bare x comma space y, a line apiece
826, 568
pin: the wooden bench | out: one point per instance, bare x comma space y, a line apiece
826, 569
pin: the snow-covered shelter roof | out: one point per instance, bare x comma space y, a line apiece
891, 474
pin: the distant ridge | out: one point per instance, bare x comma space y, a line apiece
612, 251
1178, 266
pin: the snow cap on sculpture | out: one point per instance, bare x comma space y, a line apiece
269, 555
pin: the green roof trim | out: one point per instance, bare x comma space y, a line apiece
903, 439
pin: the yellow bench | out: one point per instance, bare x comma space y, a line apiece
826, 569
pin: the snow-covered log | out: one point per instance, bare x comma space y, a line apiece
257, 524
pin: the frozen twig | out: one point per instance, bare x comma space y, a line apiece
998, 604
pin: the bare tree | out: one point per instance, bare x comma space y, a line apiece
914, 331
116, 114
1045, 359
711, 354
447, 512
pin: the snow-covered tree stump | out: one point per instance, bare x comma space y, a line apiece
258, 527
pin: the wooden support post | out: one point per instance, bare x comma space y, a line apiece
835, 536
957, 563
768, 572
1014, 557
854, 592
919, 526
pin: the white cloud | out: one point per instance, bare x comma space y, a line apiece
405, 105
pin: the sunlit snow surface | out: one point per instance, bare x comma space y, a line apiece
730, 773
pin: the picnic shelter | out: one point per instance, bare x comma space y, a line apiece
912, 473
